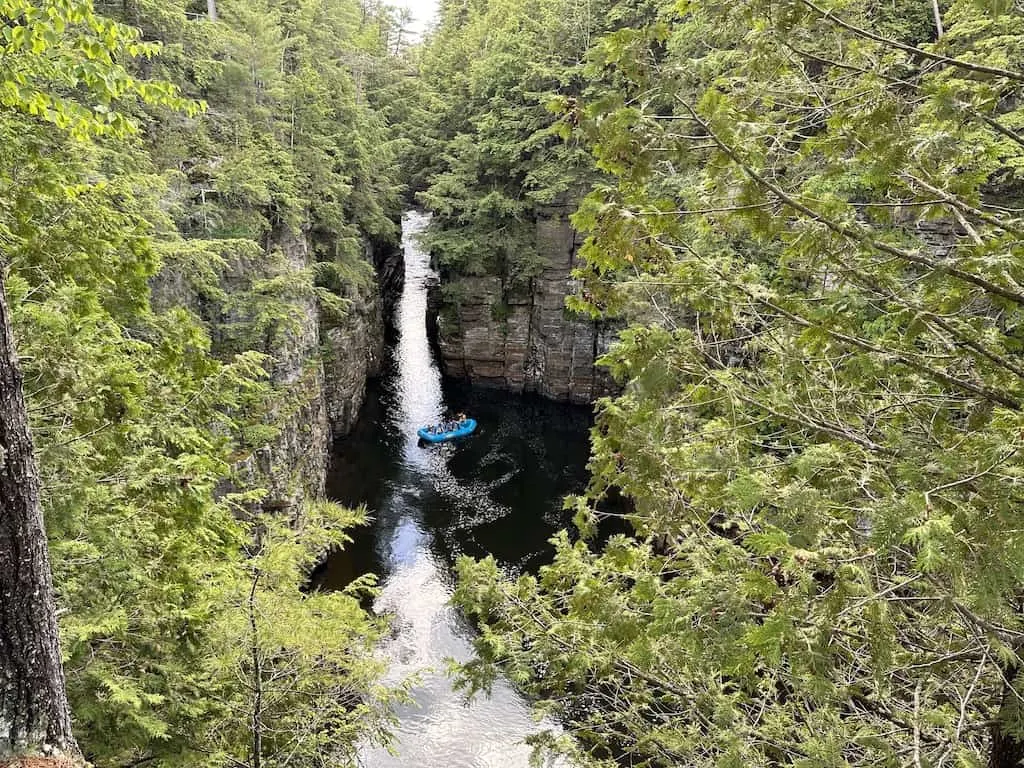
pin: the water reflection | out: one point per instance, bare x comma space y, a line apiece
498, 492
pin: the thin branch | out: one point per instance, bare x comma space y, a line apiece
972, 478
960, 63
852, 233
959, 204
989, 121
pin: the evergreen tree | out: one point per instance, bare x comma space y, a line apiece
136, 424
494, 158
50, 50
814, 230
34, 707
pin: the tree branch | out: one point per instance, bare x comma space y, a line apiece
960, 63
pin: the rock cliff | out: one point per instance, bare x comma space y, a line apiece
352, 349
523, 339
318, 359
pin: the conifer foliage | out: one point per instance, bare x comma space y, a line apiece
139, 408
811, 221
805, 213
50, 51
494, 158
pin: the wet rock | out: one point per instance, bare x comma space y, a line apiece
522, 338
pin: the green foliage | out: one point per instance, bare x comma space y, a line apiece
290, 138
815, 232
311, 694
128, 213
55, 48
497, 159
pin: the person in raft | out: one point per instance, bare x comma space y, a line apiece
449, 426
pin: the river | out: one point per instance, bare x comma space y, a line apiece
497, 492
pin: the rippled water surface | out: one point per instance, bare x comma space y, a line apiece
498, 491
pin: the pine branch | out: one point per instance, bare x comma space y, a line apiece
977, 389
989, 121
828, 15
852, 233
959, 204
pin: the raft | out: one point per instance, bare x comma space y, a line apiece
465, 428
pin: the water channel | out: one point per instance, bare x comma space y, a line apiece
497, 492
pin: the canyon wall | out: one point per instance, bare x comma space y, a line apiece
523, 339
318, 359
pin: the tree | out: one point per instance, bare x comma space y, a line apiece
41, 47
34, 711
814, 229
497, 71
139, 407
309, 697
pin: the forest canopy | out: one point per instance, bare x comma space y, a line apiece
147, 150
805, 216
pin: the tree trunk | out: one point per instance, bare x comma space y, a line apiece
257, 677
130, 9
35, 718
1007, 751
211, 9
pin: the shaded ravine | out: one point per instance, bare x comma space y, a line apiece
498, 492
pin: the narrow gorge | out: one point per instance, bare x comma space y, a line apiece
591, 383
498, 493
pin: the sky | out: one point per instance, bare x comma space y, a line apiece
423, 12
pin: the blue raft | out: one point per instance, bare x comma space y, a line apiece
465, 428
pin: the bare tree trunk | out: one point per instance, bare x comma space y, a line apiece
1007, 751
35, 718
935, 11
211, 9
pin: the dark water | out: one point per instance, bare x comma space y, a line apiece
497, 492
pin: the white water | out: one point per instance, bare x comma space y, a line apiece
440, 730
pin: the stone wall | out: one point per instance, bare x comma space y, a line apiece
318, 367
352, 351
524, 339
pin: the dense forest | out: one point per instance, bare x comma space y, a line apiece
149, 148
807, 217
804, 220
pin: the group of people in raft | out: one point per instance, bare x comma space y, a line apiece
448, 426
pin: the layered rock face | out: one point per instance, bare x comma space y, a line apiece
352, 350
524, 339
318, 363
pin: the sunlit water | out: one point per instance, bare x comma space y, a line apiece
497, 492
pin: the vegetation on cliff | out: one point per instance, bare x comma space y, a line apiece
807, 210
128, 156
494, 153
